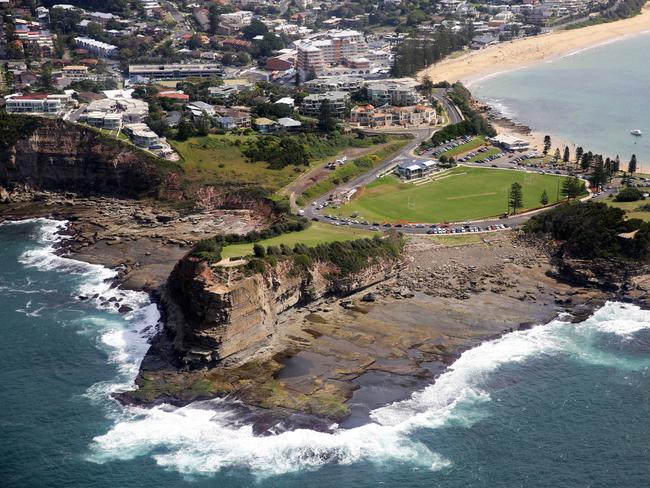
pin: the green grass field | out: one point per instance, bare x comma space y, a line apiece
460, 194
317, 233
632, 209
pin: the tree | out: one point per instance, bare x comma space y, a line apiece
599, 176
571, 188
557, 154
544, 199
46, 81
547, 144
259, 250
185, 129
326, 121
586, 160
515, 197
616, 164
631, 167
579, 153
567, 154
202, 125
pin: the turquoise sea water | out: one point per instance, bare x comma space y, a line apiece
561, 405
593, 98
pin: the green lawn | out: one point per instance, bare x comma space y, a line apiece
632, 209
463, 148
462, 193
317, 233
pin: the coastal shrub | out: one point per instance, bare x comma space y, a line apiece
256, 265
15, 127
628, 195
259, 251
207, 249
592, 230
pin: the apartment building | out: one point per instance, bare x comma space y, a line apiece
391, 116
175, 71
37, 103
393, 92
336, 47
337, 100
101, 49
334, 83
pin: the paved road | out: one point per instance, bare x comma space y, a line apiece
455, 115
404, 155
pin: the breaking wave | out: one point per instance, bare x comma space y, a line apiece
206, 437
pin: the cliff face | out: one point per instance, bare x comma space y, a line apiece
217, 313
62, 156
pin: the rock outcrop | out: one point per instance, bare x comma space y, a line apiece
217, 313
62, 156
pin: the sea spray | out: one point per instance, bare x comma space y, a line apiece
195, 439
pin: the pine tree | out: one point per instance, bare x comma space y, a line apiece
579, 153
557, 154
515, 197
571, 188
547, 144
599, 177
567, 154
326, 121
631, 168
616, 165
544, 199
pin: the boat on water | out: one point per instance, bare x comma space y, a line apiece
636, 132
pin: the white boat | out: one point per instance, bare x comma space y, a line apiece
636, 132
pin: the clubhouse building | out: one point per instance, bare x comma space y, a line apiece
416, 169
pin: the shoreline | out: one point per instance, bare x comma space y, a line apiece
505, 57
338, 339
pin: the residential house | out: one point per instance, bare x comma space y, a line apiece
264, 125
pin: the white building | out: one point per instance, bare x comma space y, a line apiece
311, 104
37, 103
510, 143
394, 92
99, 48
337, 46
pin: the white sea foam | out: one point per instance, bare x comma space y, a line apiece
202, 439
195, 440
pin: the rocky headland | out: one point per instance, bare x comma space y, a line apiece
303, 341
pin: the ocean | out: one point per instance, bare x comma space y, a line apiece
561, 404
592, 98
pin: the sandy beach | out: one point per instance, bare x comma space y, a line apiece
517, 54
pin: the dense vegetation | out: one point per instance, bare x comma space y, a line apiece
474, 123
280, 152
592, 230
15, 127
421, 49
625, 9
348, 256
629, 195
210, 249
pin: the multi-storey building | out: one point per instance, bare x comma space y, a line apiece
311, 104
388, 116
334, 83
394, 92
336, 47
36, 103
101, 49
175, 71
